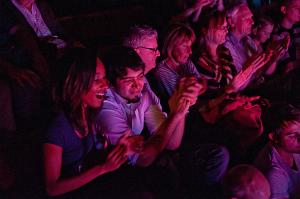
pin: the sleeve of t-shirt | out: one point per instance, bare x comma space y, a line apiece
54, 134
279, 183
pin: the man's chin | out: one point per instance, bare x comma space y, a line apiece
133, 100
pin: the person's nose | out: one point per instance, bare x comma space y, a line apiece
104, 84
189, 50
136, 83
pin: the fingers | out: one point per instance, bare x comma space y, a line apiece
116, 157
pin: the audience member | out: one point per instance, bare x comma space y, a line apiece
73, 136
286, 30
245, 182
177, 49
280, 159
219, 73
143, 39
144, 36
38, 18
24, 73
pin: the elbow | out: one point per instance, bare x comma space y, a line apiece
51, 191
144, 163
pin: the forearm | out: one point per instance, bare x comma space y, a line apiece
62, 186
176, 137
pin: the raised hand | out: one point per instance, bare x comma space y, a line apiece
255, 63
238, 101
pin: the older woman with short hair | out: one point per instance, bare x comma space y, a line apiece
177, 49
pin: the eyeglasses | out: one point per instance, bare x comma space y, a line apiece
155, 50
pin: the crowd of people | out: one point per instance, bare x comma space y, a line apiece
206, 106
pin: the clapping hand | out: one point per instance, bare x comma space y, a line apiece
255, 63
133, 143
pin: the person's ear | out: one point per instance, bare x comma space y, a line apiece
283, 9
137, 50
273, 137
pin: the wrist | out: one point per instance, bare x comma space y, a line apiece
177, 116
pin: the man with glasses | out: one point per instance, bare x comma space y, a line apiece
143, 40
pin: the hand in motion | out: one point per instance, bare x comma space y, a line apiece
255, 63
190, 88
238, 101
115, 158
133, 143
185, 95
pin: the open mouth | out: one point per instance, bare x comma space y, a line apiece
100, 96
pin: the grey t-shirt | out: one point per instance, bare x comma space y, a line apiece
284, 181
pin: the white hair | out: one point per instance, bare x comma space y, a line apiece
232, 13
137, 35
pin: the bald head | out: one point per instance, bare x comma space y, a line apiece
245, 182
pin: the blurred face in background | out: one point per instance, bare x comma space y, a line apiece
289, 138
243, 21
182, 51
217, 31
264, 32
292, 11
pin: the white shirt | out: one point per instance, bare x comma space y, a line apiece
117, 116
34, 18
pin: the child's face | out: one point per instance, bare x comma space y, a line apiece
264, 32
289, 139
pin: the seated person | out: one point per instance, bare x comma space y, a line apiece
130, 106
23, 75
285, 27
280, 159
176, 64
73, 135
260, 40
126, 75
143, 39
38, 18
245, 182
213, 63
240, 21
